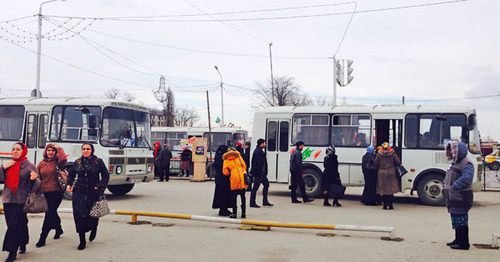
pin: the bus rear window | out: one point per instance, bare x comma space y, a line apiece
11, 119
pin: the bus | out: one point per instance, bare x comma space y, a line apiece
178, 137
119, 131
417, 133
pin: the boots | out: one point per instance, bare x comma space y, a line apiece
22, 249
93, 233
82, 241
243, 213
233, 215
43, 237
12, 256
58, 234
336, 202
455, 240
325, 202
224, 212
463, 238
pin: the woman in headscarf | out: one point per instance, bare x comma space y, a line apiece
92, 178
186, 157
222, 193
234, 167
53, 162
331, 175
458, 192
156, 160
370, 196
387, 182
20, 178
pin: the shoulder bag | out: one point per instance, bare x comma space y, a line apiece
35, 203
62, 176
100, 207
245, 175
401, 171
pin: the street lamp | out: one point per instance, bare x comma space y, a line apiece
272, 78
39, 50
221, 94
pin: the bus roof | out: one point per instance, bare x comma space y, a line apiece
369, 109
189, 129
37, 101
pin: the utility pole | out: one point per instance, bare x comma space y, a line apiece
272, 78
209, 138
221, 94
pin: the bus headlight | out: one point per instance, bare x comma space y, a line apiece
118, 170
149, 169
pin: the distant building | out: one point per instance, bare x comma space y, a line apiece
157, 117
487, 147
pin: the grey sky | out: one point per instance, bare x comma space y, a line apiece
423, 53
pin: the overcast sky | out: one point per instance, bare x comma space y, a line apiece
428, 53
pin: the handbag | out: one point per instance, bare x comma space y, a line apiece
35, 203
62, 176
100, 207
246, 176
336, 191
401, 171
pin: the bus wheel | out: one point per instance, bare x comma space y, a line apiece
494, 166
120, 189
68, 195
312, 179
430, 190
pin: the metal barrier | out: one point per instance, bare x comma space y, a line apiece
135, 214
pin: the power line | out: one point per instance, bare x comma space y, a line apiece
17, 19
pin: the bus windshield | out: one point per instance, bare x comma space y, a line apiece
474, 139
11, 118
239, 137
219, 139
125, 128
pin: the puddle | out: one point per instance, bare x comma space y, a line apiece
139, 223
325, 234
484, 246
397, 239
163, 224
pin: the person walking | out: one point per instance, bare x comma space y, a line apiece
186, 157
458, 192
235, 168
259, 172
369, 196
90, 178
246, 158
298, 174
239, 148
387, 182
156, 161
222, 192
20, 178
164, 161
331, 175
54, 159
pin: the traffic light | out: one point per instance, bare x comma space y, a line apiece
343, 72
339, 76
349, 71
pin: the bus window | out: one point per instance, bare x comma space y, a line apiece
31, 128
351, 130
142, 126
42, 131
284, 136
474, 139
11, 118
174, 140
272, 135
121, 128
74, 123
157, 137
411, 138
310, 128
239, 137
55, 123
219, 139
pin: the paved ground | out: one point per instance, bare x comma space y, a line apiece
424, 230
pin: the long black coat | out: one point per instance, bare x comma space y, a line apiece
331, 173
85, 179
370, 196
222, 184
246, 158
165, 156
259, 163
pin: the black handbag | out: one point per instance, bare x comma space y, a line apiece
246, 176
336, 191
401, 171
35, 203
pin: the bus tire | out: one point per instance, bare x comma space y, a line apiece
312, 181
68, 195
430, 190
494, 166
120, 189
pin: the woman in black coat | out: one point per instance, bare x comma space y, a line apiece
370, 196
222, 184
331, 175
92, 178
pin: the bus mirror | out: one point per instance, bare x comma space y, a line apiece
92, 131
92, 121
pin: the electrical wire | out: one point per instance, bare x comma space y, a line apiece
347, 28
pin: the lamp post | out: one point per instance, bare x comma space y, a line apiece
39, 49
271, 62
221, 94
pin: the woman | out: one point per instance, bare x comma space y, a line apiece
331, 175
387, 182
92, 178
20, 178
370, 196
53, 162
222, 185
235, 167
458, 192
156, 160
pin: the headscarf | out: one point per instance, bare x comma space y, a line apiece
50, 145
459, 150
87, 162
330, 150
157, 145
221, 150
13, 172
385, 145
370, 149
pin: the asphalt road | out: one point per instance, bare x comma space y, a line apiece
424, 230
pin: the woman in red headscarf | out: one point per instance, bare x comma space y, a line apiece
21, 178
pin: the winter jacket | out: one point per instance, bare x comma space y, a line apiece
331, 173
296, 161
25, 186
186, 155
458, 180
246, 157
165, 156
48, 172
387, 183
368, 162
235, 167
259, 163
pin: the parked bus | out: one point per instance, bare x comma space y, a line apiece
178, 137
119, 131
417, 133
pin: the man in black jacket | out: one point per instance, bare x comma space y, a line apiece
165, 156
259, 172
246, 158
297, 174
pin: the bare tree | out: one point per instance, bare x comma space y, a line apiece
285, 93
323, 101
112, 94
185, 116
129, 97
169, 108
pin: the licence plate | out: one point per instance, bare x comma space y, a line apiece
136, 180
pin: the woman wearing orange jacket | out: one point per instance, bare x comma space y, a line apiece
235, 167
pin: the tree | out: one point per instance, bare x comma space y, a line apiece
185, 116
116, 93
285, 93
129, 97
112, 94
169, 107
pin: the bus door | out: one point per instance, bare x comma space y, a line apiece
390, 130
35, 134
277, 143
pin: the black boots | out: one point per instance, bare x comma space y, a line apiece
325, 203
462, 241
233, 215
58, 234
82, 241
93, 233
336, 202
12, 256
43, 237
455, 240
243, 213
22, 249
224, 212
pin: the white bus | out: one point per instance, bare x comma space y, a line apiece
119, 131
178, 137
417, 133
